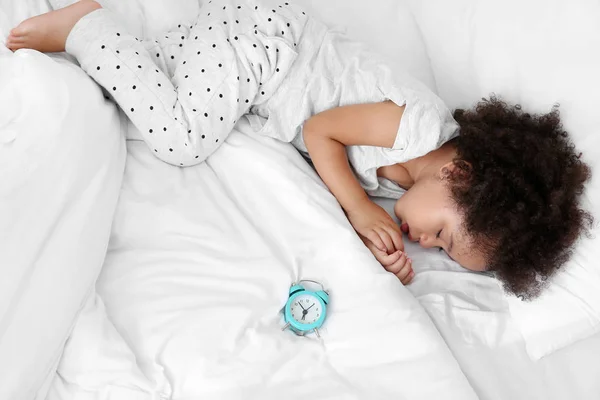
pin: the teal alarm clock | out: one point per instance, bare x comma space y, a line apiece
305, 310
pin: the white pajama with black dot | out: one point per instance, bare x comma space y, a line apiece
186, 90
263, 61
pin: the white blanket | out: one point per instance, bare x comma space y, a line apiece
61, 164
200, 264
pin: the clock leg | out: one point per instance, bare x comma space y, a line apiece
317, 333
286, 326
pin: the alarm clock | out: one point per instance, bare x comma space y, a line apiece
305, 310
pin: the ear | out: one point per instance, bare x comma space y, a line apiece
449, 168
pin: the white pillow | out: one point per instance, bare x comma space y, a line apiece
536, 53
62, 158
385, 26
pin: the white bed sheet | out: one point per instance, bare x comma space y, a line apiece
200, 263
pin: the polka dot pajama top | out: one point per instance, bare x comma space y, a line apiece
265, 61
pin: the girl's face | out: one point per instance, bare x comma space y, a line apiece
429, 216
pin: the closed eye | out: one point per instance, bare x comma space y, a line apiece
438, 236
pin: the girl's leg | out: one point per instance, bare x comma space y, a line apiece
174, 107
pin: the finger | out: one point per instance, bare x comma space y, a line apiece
387, 240
376, 252
408, 279
396, 236
389, 259
397, 266
376, 240
381, 256
405, 273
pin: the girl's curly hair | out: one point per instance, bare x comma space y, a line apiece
518, 183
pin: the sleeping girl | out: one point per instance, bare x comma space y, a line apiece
501, 196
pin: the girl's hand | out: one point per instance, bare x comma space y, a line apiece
375, 224
397, 263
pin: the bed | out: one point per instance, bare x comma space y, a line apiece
147, 281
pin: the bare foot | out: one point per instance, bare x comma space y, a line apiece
48, 32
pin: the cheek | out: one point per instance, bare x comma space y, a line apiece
403, 205
398, 207
425, 208
417, 199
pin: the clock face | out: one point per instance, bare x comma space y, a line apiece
306, 309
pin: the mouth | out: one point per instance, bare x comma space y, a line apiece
406, 229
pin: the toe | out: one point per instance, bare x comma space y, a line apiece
13, 38
12, 41
18, 31
14, 44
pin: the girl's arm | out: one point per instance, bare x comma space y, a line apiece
326, 136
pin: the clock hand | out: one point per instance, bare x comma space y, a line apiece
304, 309
310, 306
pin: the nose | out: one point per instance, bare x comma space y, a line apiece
426, 241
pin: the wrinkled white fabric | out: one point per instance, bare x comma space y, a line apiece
62, 157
